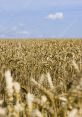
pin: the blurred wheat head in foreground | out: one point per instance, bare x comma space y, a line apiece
47, 104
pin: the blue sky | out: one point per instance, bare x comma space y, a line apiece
40, 18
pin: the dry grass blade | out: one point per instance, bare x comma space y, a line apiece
43, 89
49, 95
75, 66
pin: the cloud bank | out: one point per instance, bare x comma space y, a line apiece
15, 31
56, 16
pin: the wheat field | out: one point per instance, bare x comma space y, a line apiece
41, 78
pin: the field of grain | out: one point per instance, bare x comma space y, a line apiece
47, 69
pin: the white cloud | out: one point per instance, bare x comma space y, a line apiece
23, 32
18, 29
56, 16
20, 24
15, 31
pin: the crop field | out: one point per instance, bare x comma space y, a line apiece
41, 78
